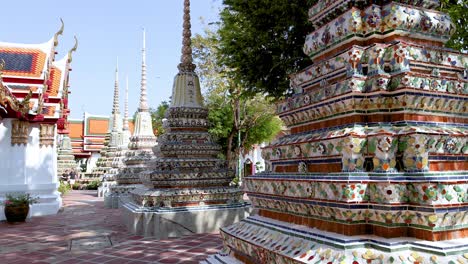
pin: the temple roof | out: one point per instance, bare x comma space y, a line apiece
88, 135
26, 60
76, 129
96, 126
29, 71
58, 75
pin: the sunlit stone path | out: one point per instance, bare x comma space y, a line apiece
86, 232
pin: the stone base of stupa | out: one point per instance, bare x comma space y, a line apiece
118, 192
105, 188
163, 223
272, 241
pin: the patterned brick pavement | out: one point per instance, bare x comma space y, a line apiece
86, 232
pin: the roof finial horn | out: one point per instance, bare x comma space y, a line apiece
59, 32
70, 58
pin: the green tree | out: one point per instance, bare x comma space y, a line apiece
261, 40
157, 115
457, 10
232, 110
231, 113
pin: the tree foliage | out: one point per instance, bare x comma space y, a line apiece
254, 117
157, 115
457, 10
232, 110
261, 41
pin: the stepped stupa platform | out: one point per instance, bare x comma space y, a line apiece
375, 169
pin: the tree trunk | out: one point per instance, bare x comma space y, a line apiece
229, 148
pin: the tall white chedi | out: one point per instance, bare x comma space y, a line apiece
115, 150
139, 154
103, 165
125, 127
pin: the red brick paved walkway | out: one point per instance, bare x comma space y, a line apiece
86, 232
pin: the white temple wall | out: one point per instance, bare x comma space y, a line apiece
255, 155
29, 168
92, 161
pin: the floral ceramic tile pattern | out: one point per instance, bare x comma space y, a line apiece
377, 147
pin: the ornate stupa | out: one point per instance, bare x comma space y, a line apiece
110, 162
375, 167
139, 154
65, 158
187, 189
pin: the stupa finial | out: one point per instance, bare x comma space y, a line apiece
125, 121
186, 61
143, 100
115, 106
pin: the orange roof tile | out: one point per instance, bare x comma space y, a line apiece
23, 62
131, 126
98, 126
76, 129
55, 78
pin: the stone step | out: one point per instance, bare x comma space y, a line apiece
220, 259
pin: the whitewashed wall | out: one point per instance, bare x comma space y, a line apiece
92, 161
255, 155
29, 169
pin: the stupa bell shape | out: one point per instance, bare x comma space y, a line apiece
186, 91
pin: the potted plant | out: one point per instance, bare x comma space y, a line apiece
17, 206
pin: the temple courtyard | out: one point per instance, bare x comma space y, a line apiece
77, 235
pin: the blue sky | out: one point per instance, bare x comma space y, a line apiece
107, 29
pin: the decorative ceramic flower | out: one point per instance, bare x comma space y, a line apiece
390, 193
425, 23
384, 144
450, 145
432, 218
278, 153
373, 20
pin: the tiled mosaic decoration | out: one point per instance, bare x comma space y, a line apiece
377, 150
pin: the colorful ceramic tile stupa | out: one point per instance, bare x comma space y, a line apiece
375, 167
187, 189
140, 154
